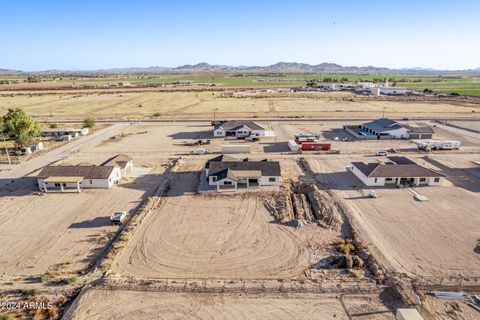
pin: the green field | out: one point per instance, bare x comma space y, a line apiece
461, 83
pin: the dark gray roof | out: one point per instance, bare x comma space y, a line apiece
88, 172
400, 160
222, 169
424, 129
383, 124
220, 158
408, 170
234, 125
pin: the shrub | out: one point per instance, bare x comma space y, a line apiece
346, 247
54, 125
30, 291
6, 316
70, 280
47, 276
89, 122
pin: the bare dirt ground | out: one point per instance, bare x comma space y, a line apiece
41, 233
132, 104
423, 239
118, 304
218, 236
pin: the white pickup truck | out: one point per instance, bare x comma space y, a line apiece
118, 217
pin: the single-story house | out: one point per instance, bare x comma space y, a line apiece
57, 132
122, 161
53, 177
396, 171
384, 128
231, 175
239, 129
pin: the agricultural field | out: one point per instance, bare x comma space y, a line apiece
461, 83
185, 105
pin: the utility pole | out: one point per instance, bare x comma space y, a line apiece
214, 109
6, 150
383, 115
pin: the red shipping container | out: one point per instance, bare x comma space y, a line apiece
306, 146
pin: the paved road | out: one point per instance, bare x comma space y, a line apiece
145, 121
23, 169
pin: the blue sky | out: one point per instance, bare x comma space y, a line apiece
40, 35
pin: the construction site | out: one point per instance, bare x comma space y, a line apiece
321, 245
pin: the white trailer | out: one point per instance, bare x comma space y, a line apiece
439, 145
235, 149
293, 145
307, 137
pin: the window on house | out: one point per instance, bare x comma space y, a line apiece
375, 180
437, 180
227, 182
91, 181
272, 179
423, 179
389, 179
214, 179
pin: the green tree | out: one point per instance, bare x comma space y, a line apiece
89, 122
20, 127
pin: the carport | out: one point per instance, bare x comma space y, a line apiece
62, 182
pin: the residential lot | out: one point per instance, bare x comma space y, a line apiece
213, 236
61, 231
128, 304
422, 239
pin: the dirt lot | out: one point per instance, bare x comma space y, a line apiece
132, 104
40, 233
118, 304
425, 239
200, 236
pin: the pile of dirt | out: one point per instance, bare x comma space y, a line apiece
323, 206
279, 204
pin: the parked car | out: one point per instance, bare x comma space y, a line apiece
118, 217
381, 153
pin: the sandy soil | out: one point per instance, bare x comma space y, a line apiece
201, 236
117, 304
132, 104
425, 239
39, 232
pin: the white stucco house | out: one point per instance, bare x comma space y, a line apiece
77, 177
229, 175
397, 171
239, 129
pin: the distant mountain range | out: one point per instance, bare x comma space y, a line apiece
280, 67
